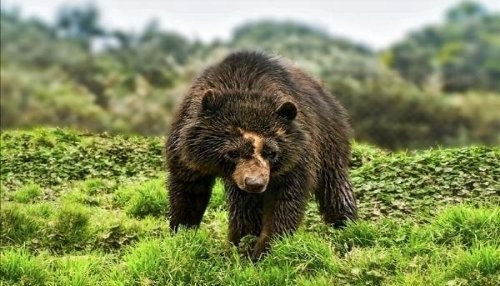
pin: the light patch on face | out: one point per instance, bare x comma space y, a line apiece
252, 174
257, 140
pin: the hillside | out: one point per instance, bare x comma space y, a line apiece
436, 87
85, 209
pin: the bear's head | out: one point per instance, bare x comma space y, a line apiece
246, 137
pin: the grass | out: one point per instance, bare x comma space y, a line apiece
28, 193
430, 217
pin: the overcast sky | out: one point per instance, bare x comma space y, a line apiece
377, 23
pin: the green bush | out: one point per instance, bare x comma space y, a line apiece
393, 114
31, 99
461, 52
52, 77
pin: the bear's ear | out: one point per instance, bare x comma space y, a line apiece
210, 101
287, 111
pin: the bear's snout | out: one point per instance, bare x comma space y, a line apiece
252, 175
255, 184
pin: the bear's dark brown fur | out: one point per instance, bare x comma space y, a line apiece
273, 134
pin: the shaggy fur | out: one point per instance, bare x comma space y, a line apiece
273, 134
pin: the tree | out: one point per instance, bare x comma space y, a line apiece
463, 52
80, 24
466, 11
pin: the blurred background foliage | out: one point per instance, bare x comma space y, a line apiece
438, 86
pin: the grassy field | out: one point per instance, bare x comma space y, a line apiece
83, 209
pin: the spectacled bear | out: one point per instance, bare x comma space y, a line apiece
273, 134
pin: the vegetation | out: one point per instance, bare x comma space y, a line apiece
88, 206
80, 74
461, 54
427, 218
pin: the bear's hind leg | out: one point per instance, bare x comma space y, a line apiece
335, 197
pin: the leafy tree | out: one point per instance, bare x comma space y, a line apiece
52, 76
463, 52
80, 24
466, 11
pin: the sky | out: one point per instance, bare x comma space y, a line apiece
376, 23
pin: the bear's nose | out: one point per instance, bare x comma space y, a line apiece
255, 183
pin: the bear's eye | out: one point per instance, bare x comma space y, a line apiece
271, 155
233, 154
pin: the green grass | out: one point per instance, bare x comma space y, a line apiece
430, 217
28, 193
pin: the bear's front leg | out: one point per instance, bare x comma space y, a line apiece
245, 213
282, 213
188, 197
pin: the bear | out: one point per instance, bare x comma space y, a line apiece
273, 134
